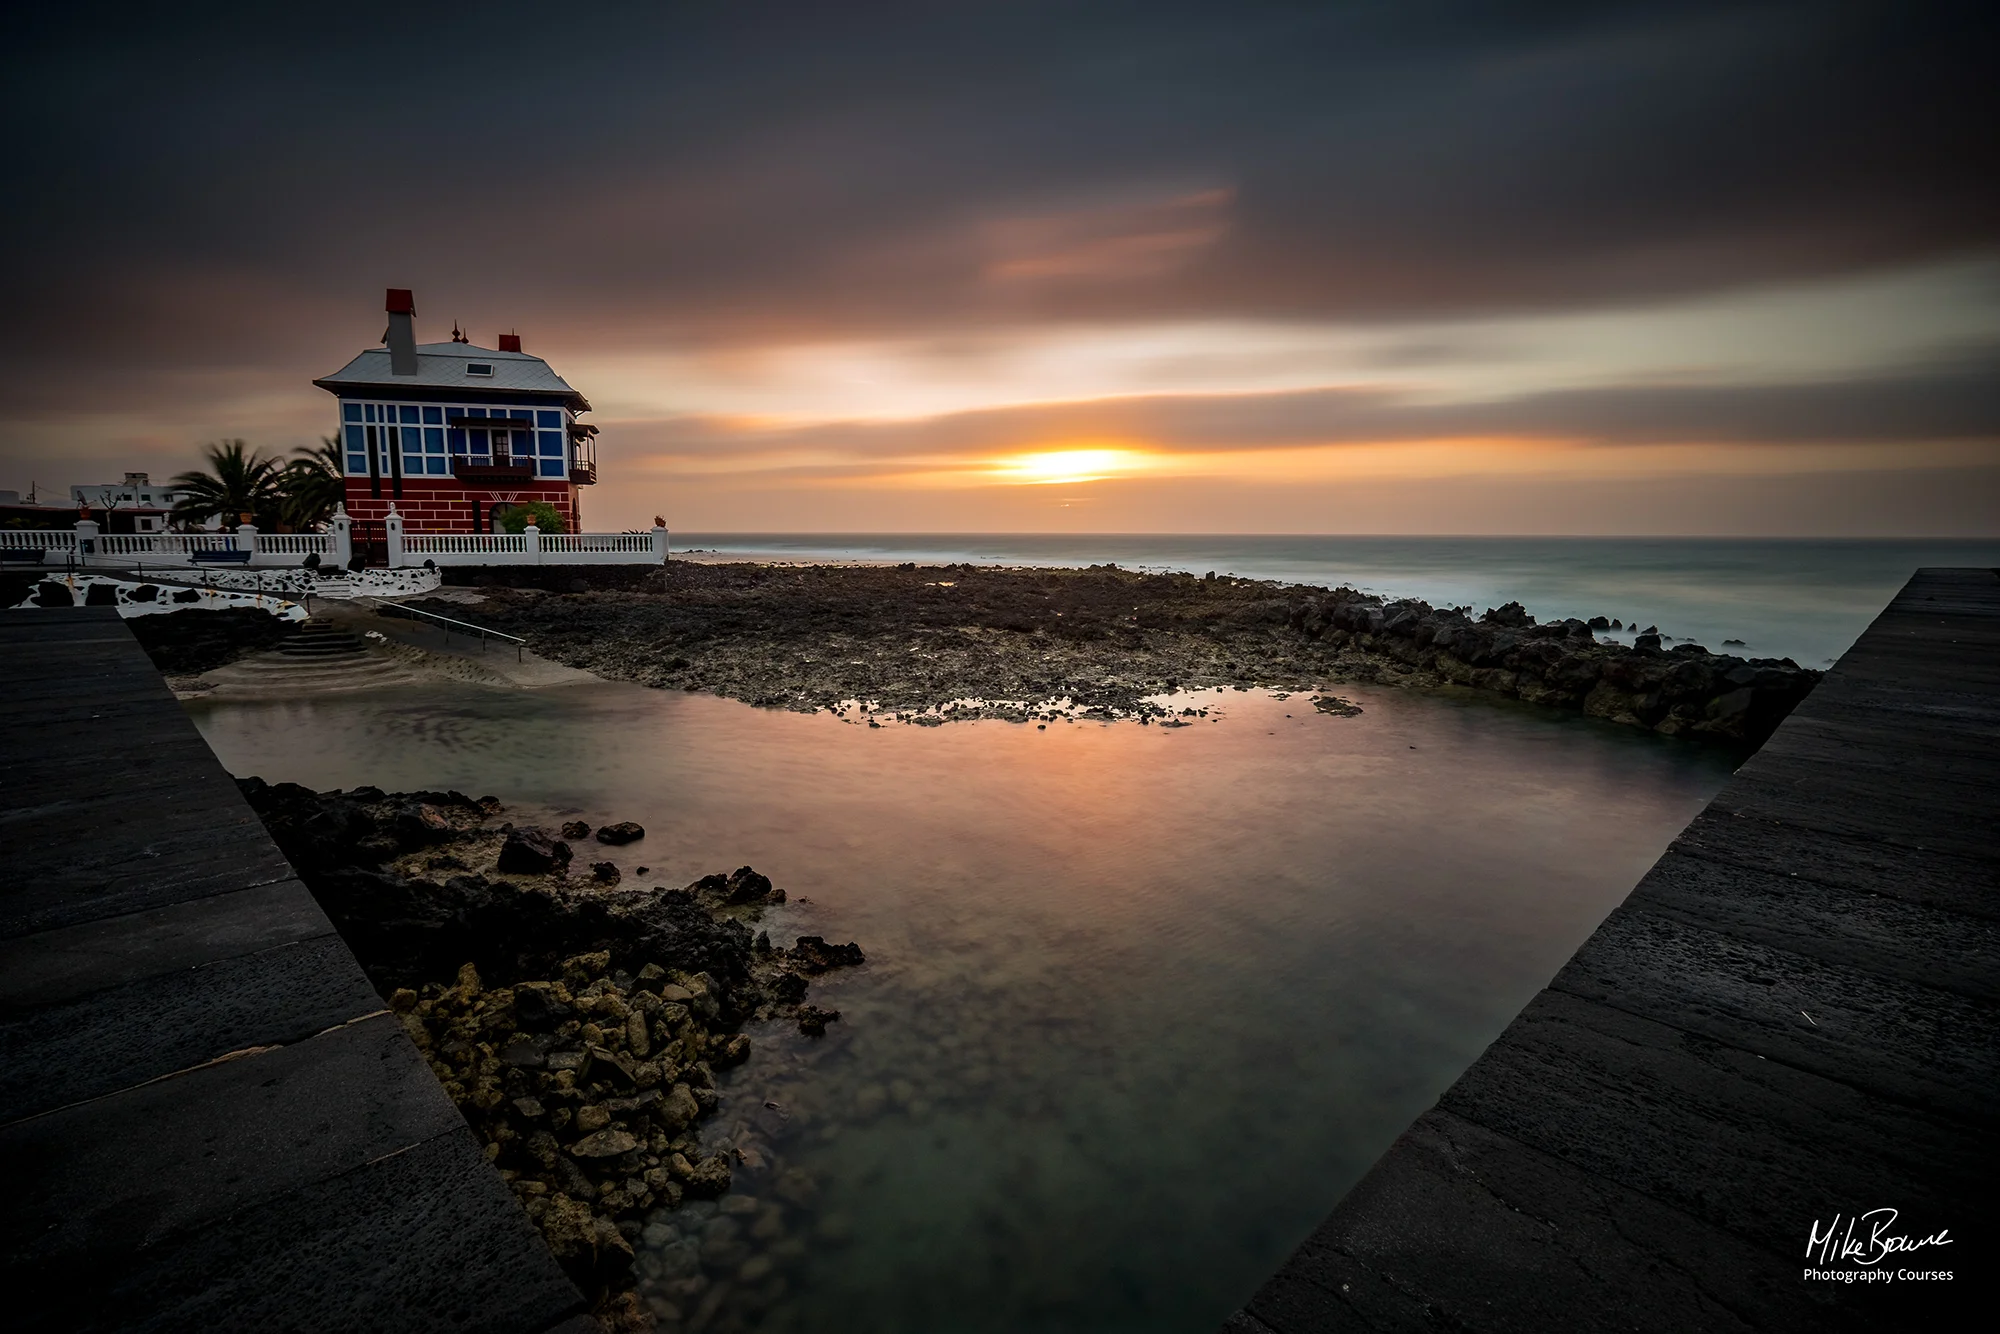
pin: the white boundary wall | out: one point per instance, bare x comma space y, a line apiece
86, 548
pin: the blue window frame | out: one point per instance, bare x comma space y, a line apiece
370, 410
455, 439
410, 416
433, 440
350, 412
549, 444
548, 419
433, 416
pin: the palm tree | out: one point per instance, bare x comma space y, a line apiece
313, 483
241, 483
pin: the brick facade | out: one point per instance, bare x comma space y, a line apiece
446, 505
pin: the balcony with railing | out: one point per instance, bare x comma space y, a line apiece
502, 469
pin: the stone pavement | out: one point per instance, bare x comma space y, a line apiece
208, 1120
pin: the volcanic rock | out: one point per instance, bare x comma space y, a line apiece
533, 851
813, 955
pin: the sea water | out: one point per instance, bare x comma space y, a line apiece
1140, 1004
1803, 599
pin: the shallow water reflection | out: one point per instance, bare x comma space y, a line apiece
1141, 1003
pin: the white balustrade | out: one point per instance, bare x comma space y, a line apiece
529, 547
294, 544
85, 546
36, 539
637, 544
462, 544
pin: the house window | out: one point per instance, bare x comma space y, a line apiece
370, 409
478, 368
408, 416
455, 438
357, 451
548, 419
433, 416
350, 412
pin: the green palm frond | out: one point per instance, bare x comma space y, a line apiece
313, 483
240, 481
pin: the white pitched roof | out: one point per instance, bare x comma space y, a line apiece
442, 366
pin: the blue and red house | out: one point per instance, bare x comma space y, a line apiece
451, 434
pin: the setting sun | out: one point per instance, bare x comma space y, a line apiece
1068, 465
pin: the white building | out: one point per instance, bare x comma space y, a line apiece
147, 504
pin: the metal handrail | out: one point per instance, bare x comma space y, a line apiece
445, 623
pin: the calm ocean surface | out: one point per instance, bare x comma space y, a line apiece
1141, 1004
1803, 599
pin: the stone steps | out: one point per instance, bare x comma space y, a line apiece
319, 638
322, 657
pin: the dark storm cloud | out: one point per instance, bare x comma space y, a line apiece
209, 187
1944, 404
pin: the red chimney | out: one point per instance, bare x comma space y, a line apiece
402, 334
510, 342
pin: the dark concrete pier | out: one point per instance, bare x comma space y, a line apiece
1796, 1015
208, 1120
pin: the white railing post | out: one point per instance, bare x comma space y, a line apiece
246, 540
393, 526
660, 542
343, 536
531, 544
86, 540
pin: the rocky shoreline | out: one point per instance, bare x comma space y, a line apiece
941, 643
580, 1026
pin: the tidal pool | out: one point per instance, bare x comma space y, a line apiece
1140, 1005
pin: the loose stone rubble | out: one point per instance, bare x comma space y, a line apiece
581, 1028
